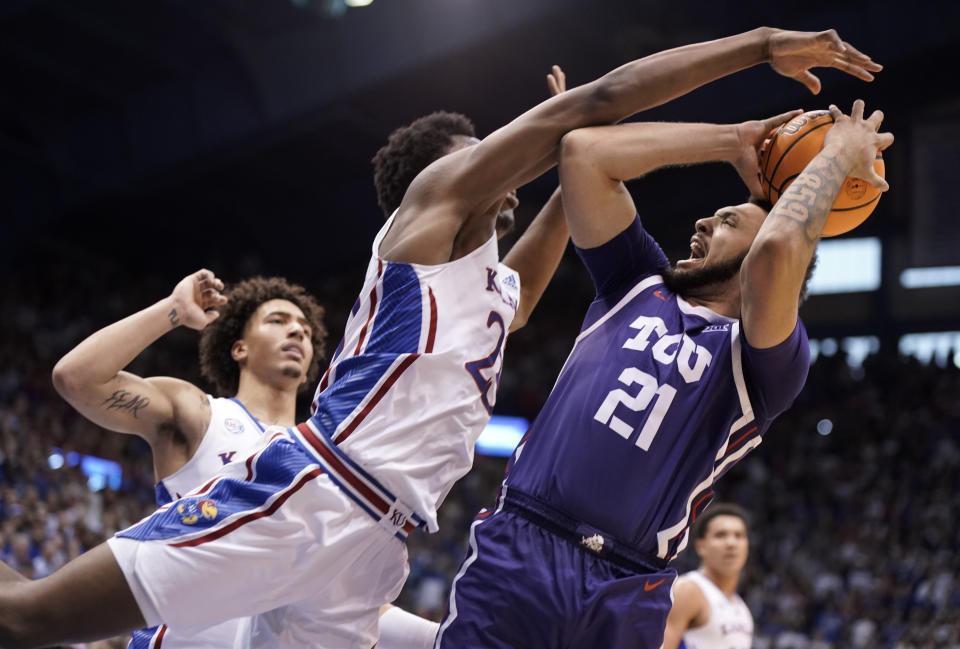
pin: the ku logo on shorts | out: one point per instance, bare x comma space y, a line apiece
191, 512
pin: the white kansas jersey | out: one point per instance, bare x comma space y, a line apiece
730, 625
232, 434
414, 380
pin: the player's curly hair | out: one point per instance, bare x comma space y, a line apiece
812, 266
410, 149
718, 509
244, 298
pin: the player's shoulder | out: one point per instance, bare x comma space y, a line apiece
690, 600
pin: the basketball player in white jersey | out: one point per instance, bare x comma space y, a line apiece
707, 612
261, 343
308, 534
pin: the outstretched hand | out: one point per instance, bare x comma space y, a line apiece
792, 54
752, 135
556, 81
195, 299
860, 139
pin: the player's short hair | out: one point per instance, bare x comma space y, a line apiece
244, 298
812, 266
718, 509
410, 149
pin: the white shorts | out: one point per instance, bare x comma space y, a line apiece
275, 536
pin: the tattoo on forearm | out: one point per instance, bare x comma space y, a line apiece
808, 200
125, 400
174, 318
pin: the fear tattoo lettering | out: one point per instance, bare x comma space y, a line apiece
125, 400
808, 200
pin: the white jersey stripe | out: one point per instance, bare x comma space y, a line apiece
664, 536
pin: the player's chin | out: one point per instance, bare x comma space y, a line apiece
292, 371
505, 223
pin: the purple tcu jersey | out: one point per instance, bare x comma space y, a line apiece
656, 400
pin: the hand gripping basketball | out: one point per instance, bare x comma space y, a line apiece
790, 147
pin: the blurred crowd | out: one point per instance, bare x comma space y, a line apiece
854, 494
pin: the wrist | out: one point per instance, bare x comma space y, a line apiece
169, 310
842, 155
763, 35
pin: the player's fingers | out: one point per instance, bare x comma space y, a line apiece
753, 184
561, 78
857, 111
552, 84
875, 119
877, 181
884, 140
810, 80
860, 58
852, 68
782, 118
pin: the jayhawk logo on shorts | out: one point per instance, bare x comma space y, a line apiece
191, 512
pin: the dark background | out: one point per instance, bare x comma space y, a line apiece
148, 139
140, 141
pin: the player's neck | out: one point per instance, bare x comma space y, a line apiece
272, 405
723, 305
722, 298
726, 583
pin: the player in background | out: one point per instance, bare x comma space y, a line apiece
261, 342
707, 612
318, 517
676, 374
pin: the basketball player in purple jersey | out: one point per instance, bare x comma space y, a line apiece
676, 374
394, 423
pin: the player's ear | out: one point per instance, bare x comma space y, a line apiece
698, 546
238, 351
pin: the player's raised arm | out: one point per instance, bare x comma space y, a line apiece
774, 268
595, 162
524, 148
91, 377
537, 253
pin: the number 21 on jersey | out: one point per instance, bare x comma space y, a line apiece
655, 399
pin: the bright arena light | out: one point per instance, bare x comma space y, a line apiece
501, 435
930, 277
55, 460
847, 266
358, 3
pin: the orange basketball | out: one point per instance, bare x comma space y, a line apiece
785, 154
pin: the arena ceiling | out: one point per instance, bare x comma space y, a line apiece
222, 129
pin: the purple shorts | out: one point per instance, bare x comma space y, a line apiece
524, 586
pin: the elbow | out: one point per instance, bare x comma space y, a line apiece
577, 147
65, 378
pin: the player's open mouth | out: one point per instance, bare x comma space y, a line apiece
293, 350
698, 252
